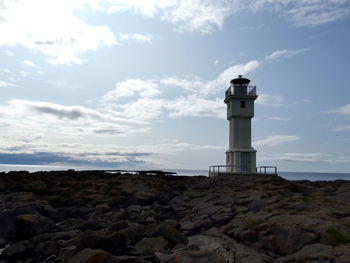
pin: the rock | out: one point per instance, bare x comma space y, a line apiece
107, 240
151, 245
248, 236
134, 209
171, 234
17, 251
91, 256
132, 234
29, 225
102, 209
119, 225
65, 235
194, 256
288, 240
49, 247
257, 205
3, 186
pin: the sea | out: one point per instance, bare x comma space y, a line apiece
310, 176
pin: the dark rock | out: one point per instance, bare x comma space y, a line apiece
151, 245
289, 240
73, 211
171, 234
29, 225
107, 240
119, 225
18, 251
194, 256
92, 256
49, 247
248, 235
256, 205
54, 236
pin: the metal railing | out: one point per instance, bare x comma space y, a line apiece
267, 169
215, 170
241, 90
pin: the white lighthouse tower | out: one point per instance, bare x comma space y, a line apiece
240, 97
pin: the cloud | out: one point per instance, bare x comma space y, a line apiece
275, 140
285, 53
52, 28
196, 107
194, 97
26, 118
4, 84
146, 38
198, 15
343, 110
279, 118
216, 62
305, 12
309, 158
300, 157
205, 16
131, 87
30, 64
342, 128
270, 100
17, 151
4, 70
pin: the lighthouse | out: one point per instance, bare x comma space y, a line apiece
239, 98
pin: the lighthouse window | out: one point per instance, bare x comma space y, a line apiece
242, 104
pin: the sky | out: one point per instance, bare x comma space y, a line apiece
139, 84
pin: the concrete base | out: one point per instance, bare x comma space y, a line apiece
241, 160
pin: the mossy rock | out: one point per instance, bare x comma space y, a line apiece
334, 237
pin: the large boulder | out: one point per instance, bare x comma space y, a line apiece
30, 225
18, 251
91, 256
196, 256
151, 245
107, 240
171, 234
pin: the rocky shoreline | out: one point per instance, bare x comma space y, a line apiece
93, 216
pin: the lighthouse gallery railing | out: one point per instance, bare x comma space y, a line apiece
241, 90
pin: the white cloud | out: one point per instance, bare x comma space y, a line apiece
131, 87
216, 62
30, 64
196, 107
198, 15
275, 140
305, 12
146, 38
300, 157
270, 100
342, 128
53, 28
24, 74
9, 53
343, 110
4, 70
191, 99
205, 16
309, 158
4, 84
279, 118
223, 80
285, 53
33, 117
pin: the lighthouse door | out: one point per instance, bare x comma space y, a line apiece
245, 161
